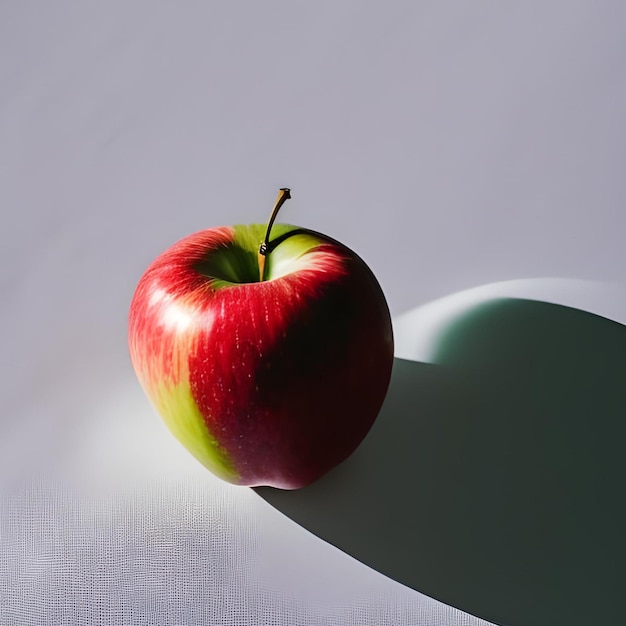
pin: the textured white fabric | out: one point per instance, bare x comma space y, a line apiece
183, 552
451, 144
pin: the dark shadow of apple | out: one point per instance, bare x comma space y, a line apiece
493, 479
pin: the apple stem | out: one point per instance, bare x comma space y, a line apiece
283, 195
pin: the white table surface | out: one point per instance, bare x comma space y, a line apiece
451, 144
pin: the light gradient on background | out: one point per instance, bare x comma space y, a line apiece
450, 144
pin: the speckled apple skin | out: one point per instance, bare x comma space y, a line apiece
265, 383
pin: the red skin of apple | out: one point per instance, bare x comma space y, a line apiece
286, 375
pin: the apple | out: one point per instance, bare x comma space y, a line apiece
267, 357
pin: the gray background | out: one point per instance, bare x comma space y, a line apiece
451, 144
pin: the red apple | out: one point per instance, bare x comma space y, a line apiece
269, 364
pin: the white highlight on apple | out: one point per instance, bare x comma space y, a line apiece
174, 315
